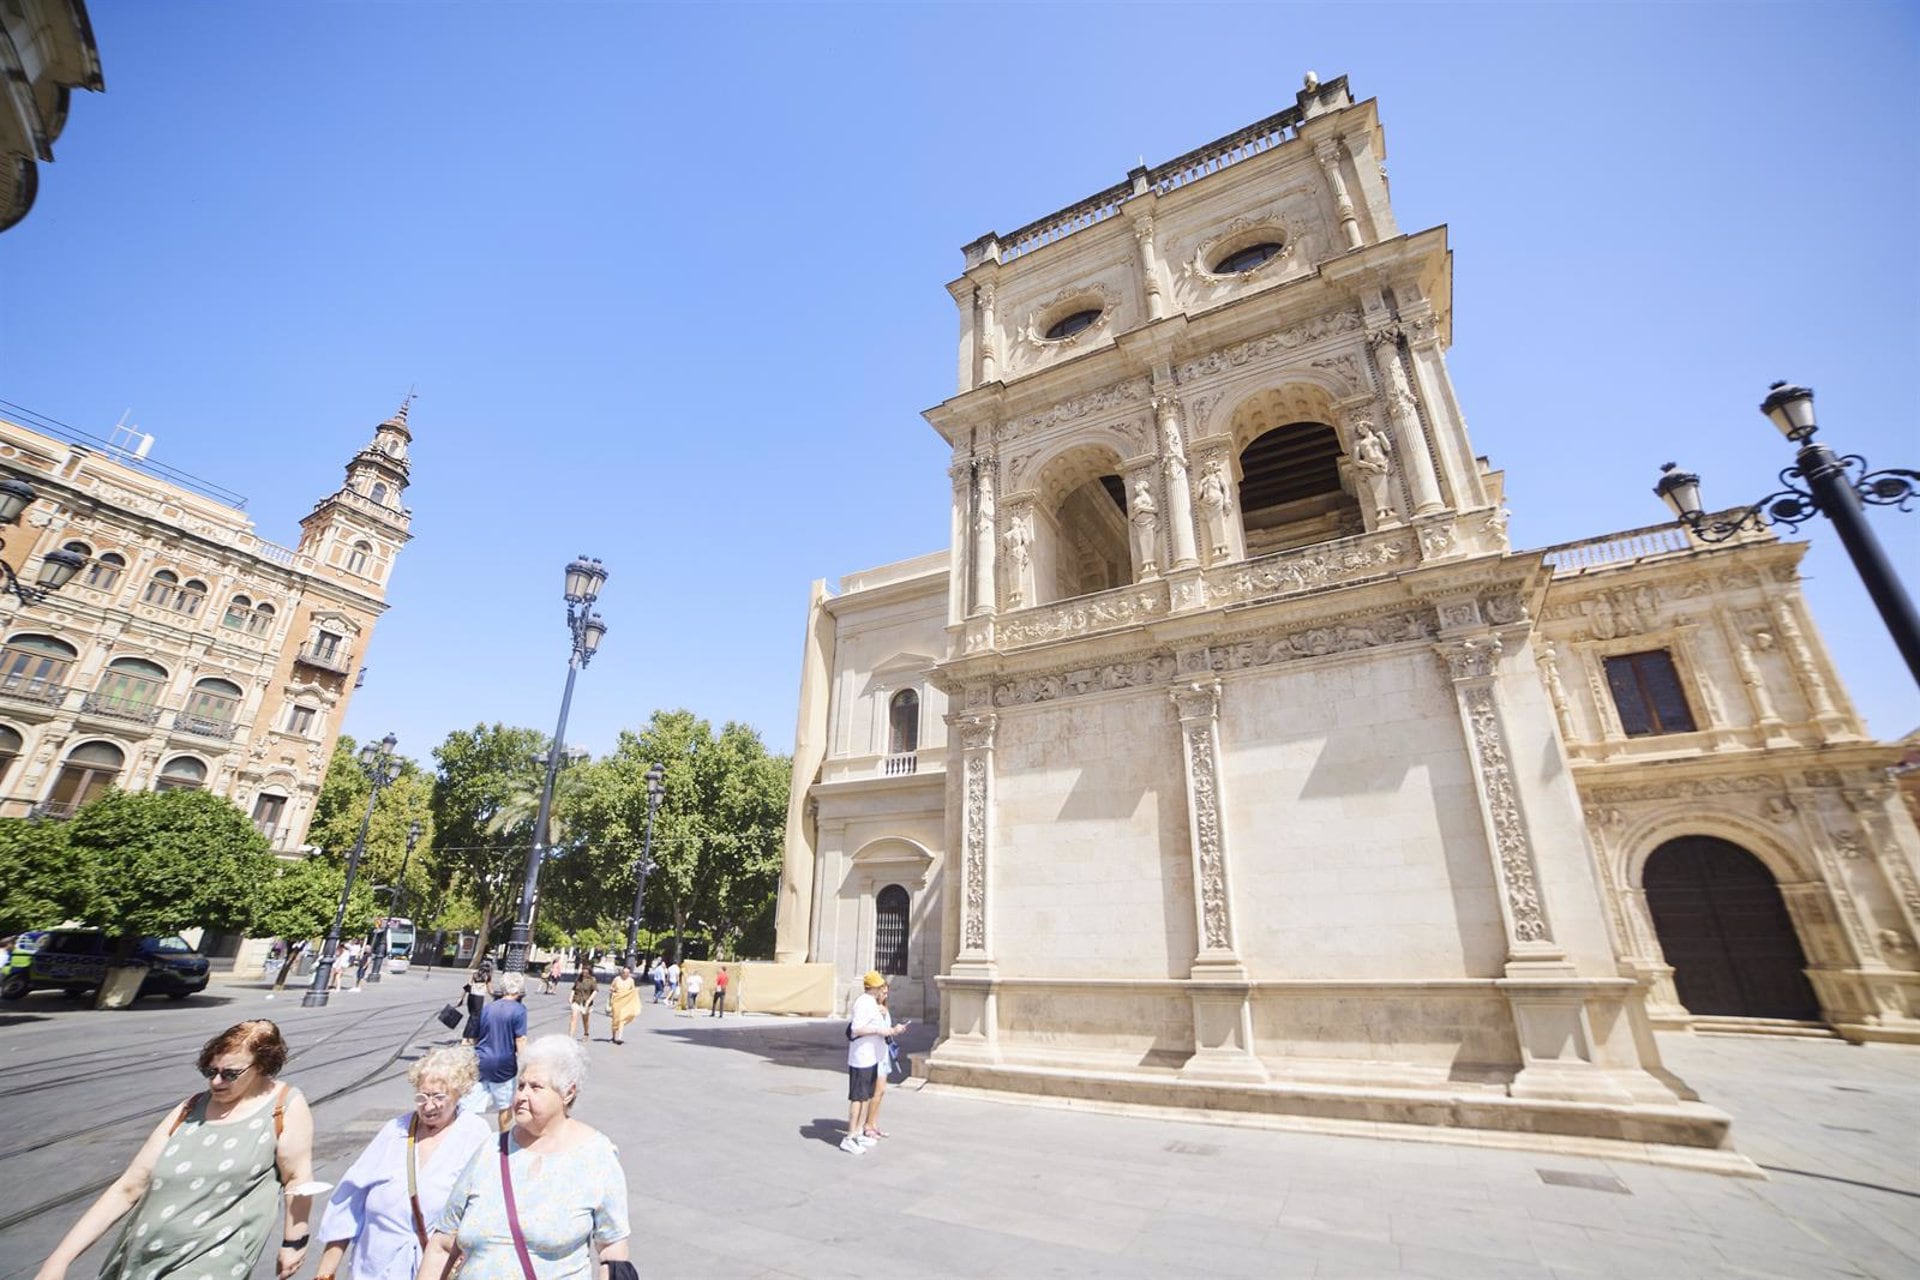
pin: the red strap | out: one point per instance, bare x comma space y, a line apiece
513, 1214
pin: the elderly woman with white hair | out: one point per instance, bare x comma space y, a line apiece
553, 1194
386, 1201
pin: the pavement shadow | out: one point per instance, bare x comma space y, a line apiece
832, 1132
15, 1019
815, 1044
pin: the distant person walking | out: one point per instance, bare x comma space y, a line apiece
657, 974
720, 993
673, 984
550, 978
693, 990
623, 1002
585, 988
868, 1030
479, 984
503, 1033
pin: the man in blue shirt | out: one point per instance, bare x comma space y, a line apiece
503, 1034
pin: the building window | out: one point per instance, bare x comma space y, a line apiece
239, 613
267, 813
191, 597
182, 773
36, 667
211, 708
1078, 322
326, 646
129, 687
1241, 260
357, 558
300, 720
80, 549
903, 723
161, 589
890, 930
10, 744
1647, 692
260, 623
378, 493
105, 571
89, 770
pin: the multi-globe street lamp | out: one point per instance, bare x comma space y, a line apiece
583, 582
56, 567
396, 903
656, 788
381, 767
1835, 486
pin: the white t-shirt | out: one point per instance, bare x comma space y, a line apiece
673, 974
867, 1016
693, 984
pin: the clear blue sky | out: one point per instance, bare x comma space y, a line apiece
670, 280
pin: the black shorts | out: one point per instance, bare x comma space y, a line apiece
860, 1083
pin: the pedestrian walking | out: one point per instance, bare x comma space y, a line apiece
720, 993
673, 984
867, 1031
871, 1128
205, 1187
479, 984
657, 972
623, 1002
401, 1181
693, 990
503, 1033
585, 988
556, 1191
552, 976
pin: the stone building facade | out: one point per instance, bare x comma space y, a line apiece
1232, 757
46, 52
189, 652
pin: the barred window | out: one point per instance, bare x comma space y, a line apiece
903, 723
890, 930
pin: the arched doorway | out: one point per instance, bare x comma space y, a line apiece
1725, 930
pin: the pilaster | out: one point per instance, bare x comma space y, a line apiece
968, 989
1409, 437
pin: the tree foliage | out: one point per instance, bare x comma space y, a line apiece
341, 807
299, 902
163, 861
480, 773
41, 882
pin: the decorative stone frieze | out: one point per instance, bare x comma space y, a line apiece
1293, 572
1086, 615
1307, 331
1132, 673
1198, 705
1112, 396
1348, 635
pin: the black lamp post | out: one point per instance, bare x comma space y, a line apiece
56, 567
1831, 489
394, 906
655, 790
584, 580
381, 767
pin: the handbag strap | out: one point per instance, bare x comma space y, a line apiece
513, 1214
413, 1182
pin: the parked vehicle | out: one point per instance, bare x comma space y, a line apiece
76, 960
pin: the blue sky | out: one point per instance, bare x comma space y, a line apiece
670, 280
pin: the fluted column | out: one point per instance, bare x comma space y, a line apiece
1149, 267
1179, 492
1408, 437
988, 338
1328, 154
984, 536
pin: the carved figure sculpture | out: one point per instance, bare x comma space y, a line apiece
1374, 464
1145, 520
1214, 503
1018, 538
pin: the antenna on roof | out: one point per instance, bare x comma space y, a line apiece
128, 440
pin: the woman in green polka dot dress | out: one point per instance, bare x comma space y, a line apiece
205, 1188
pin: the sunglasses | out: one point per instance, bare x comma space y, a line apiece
226, 1075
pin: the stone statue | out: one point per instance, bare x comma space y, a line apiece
1145, 518
1018, 538
1215, 501
1373, 464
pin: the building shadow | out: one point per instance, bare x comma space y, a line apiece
811, 1044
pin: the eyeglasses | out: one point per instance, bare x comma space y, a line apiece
226, 1075
431, 1099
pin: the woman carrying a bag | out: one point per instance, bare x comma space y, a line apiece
478, 985
585, 988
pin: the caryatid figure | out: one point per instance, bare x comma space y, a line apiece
1215, 502
1144, 518
1373, 464
1018, 537
1179, 494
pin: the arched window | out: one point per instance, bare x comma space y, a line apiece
211, 708
10, 744
105, 571
89, 769
182, 773
890, 930
357, 558
129, 688
260, 622
191, 597
1290, 491
80, 549
378, 493
903, 723
36, 667
269, 810
239, 611
161, 589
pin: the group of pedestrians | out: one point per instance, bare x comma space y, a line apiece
437, 1190
872, 1035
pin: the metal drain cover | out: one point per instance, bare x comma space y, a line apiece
1586, 1181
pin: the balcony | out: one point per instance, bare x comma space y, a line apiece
897, 766
112, 708
204, 726
39, 692
335, 658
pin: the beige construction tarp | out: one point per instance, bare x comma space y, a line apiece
757, 986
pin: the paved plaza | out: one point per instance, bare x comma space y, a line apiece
728, 1129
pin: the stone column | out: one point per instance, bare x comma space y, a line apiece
1409, 438
1328, 154
1819, 699
1217, 981
1179, 491
972, 1033
1149, 267
988, 341
984, 535
1557, 693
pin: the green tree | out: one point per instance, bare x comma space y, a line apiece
479, 773
298, 904
41, 882
163, 861
342, 805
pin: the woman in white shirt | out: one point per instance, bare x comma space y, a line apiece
394, 1191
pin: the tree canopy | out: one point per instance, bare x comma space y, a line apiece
341, 807
483, 772
163, 861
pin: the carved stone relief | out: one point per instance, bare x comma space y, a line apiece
1512, 845
1308, 569
1153, 669
1313, 330
1083, 616
1348, 636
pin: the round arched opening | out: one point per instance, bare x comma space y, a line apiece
1725, 930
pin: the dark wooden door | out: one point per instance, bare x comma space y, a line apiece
1726, 932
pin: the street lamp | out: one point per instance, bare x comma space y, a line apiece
396, 903
56, 567
655, 790
381, 767
1831, 489
583, 582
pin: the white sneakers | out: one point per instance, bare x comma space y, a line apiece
853, 1146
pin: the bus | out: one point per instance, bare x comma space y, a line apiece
399, 942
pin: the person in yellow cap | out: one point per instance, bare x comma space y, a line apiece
867, 1032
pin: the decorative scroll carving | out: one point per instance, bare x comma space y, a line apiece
1132, 673
1823, 777
1504, 608
1613, 614
1322, 326
1131, 391
1346, 369
1196, 271
1308, 569
1198, 704
1511, 843
1032, 343
1317, 642
1690, 788
1436, 540
1082, 616
974, 930
1474, 659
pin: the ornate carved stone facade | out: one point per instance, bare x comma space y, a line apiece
1271, 735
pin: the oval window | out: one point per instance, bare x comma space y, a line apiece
1075, 323
1244, 260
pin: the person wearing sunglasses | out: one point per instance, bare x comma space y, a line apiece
394, 1191
205, 1186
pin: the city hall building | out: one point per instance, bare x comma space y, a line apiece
1231, 757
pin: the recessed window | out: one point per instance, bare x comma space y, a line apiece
903, 722
191, 597
260, 622
268, 810
1244, 260
182, 773
129, 687
378, 493
212, 706
1647, 693
357, 558
1078, 322
89, 770
890, 930
161, 590
239, 609
104, 572
300, 720
36, 667
10, 744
